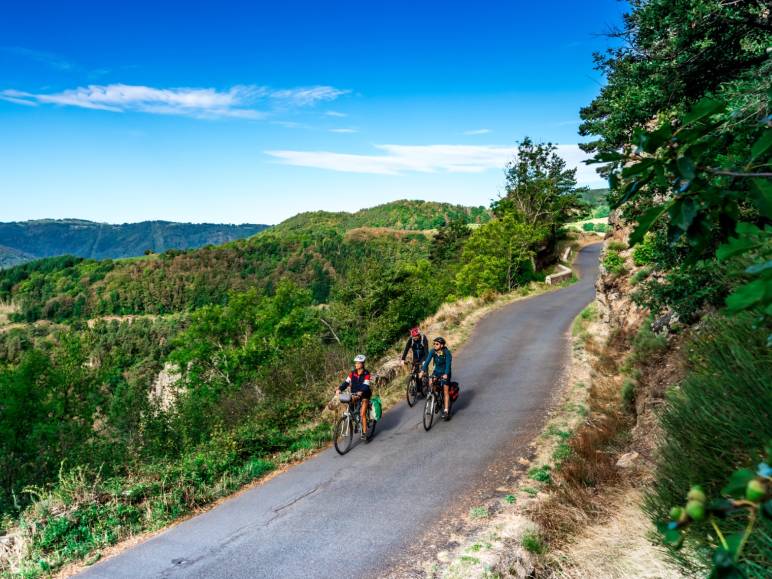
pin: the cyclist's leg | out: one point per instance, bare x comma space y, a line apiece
364, 408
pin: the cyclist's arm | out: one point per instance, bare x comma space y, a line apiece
407, 347
428, 359
448, 362
345, 384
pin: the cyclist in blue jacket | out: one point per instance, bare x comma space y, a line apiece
443, 369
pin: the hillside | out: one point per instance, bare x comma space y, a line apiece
23, 241
311, 249
403, 214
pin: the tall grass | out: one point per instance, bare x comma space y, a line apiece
717, 420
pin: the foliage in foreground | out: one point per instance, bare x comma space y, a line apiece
716, 421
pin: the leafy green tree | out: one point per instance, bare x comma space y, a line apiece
669, 55
497, 255
449, 240
541, 189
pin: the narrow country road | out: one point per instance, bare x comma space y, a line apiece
354, 515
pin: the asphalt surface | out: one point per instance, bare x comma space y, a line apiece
355, 515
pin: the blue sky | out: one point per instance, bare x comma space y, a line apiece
251, 112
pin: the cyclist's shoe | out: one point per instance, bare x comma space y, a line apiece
363, 436
444, 415
448, 415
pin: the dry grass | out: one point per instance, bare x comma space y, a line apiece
6, 309
617, 549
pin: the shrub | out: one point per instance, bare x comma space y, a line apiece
716, 421
532, 543
628, 394
613, 262
644, 253
601, 227
617, 246
588, 226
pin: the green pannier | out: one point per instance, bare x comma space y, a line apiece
375, 408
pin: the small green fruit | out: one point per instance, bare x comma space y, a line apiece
696, 494
676, 513
695, 510
755, 491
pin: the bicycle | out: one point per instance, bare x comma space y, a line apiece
350, 423
416, 386
435, 401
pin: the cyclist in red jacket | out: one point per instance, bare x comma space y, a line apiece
359, 380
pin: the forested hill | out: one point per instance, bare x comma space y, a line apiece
310, 249
404, 214
26, 240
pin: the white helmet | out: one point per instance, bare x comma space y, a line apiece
360, 358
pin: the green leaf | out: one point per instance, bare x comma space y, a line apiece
705, 107
645, 222
761, 195
683, 212
686, 168
737, 483
672, 537
637, 168
762, 145
606, 157
746, 296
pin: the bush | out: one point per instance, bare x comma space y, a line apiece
601, 227
716, 421
613, 262
644, 253
532, 543
588, 226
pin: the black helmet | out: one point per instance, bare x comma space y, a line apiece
440, 340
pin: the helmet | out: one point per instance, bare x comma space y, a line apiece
439, 340
360, 358
415, 332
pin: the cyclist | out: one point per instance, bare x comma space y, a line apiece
359, 380
442, 369
418, 344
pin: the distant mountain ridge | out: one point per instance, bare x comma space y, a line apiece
23, 241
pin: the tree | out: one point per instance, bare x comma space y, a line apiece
449, 240
541, 189
670, 55
497, 254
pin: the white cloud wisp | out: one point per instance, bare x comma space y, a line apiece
400, 159
239, 101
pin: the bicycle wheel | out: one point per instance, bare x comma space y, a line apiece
411, 391
343, 435
431, 401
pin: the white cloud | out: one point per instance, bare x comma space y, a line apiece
478, 132
400, 159
344, 130
335, 114
239, 101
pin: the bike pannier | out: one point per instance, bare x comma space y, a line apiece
375, 408
453, 391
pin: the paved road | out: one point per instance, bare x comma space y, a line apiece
351, 516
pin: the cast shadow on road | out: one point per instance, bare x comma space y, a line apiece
465, 398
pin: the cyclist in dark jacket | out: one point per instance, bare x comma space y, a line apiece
359, 380
443, 368
418, 344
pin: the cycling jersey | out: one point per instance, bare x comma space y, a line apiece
442, 362
358, 382
419, 348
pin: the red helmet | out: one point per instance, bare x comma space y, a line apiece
415, 332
